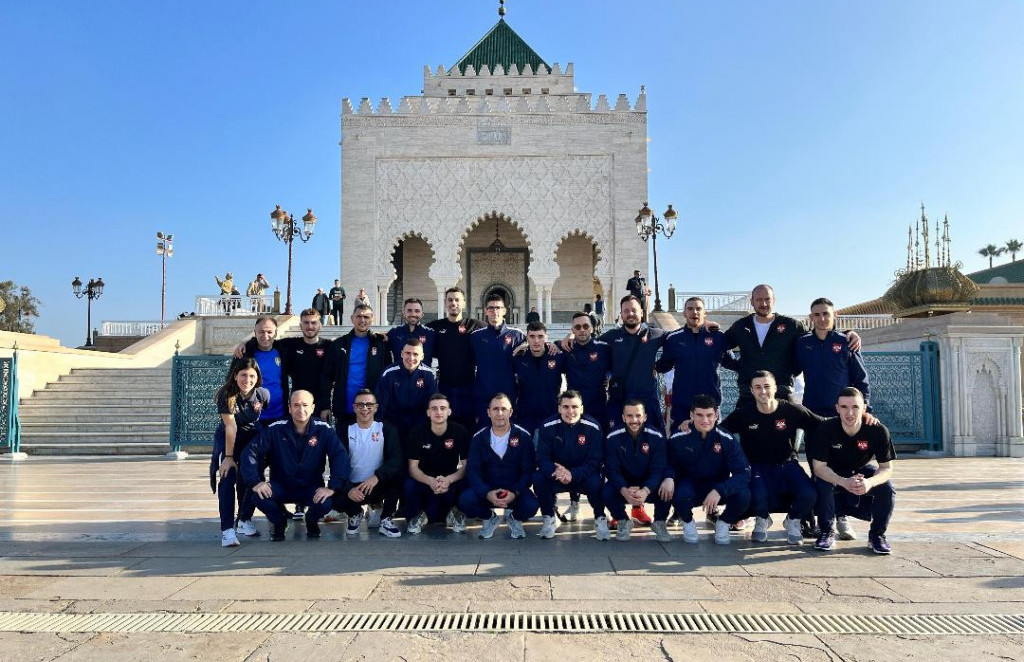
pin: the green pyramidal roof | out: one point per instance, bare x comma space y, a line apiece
501, 46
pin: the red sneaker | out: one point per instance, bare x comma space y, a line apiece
640, 515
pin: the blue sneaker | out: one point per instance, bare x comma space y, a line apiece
825, 542
879, 545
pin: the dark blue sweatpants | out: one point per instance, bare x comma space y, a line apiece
876, 506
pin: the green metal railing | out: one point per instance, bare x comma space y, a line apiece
194, 383
10, 426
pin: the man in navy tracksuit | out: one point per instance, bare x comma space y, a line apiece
634, 347
706, 467
539, 377
413, 313
456, 368
296, 451
634, 459
694, 352
404, 390
499, 471
570, 452
828, 363
586, 368
492, 350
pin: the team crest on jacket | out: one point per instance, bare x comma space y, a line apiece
551, 364
449, 444
643, 338
277, 360
257, 406
582, 440
423, 340
462, 329
375, 437
319, 352
508, 340
513, 442
780, 424
862, 445
312, 442
419, 383
645, 448
781, 328
836, 347
709, 341
717, 447
373, 351
593, 356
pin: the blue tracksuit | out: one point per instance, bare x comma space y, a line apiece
695, 358
638, 382
539, 383
580, 449
297, 463
403, 396
399, 334
485, 471
492, 350
632, 462
586, 371
699, 465
829, 365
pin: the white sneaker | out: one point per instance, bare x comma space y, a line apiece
572, 512
761, 526
353, 524
794, 535
458, 520
488, 527
661, 533
228, 538
844, 530
515, 528
721, 532
335, 516
246, 528
449, 519
374, 519
416, 524
601, 530
625, 528
547, 530
690, 532
388, 528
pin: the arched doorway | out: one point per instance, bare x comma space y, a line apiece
494, 255
508, 294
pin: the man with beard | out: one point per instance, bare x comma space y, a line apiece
493, 346
635, 465
412, 312
456, 368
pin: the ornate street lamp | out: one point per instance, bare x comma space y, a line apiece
165, 249
650, 226
285, 229
92, 291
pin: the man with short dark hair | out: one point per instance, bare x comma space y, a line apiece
412, 313
272, 368
539, 378
493, 346
586, 368
841, 451
321, 304
405, 389
456, 367
637, 286
354, 361
828, 363
337, 296
706, 467
499, 471
635, 463
634, 347
296, 452
437, 452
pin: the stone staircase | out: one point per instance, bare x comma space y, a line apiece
99, 412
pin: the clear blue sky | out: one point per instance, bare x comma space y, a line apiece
796, 139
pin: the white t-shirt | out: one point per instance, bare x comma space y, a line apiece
762, 330
365, 450
500, 444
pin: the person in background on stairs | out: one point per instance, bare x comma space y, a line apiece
239, 403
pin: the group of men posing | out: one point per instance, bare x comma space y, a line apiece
401, 432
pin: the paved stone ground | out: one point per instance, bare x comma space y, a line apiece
139, 535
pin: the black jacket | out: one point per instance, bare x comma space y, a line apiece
335, 375
777, 355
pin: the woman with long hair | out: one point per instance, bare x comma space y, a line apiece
239, 403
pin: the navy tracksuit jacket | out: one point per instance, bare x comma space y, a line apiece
403, 396
297, 461
829, 365
586, 371
539, 383
399, 334
695, 358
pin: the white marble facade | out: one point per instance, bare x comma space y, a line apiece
559, 174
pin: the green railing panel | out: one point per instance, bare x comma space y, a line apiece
194, 383
10, 426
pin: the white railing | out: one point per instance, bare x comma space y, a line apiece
215, 304
130, 329
859, 322
717, 301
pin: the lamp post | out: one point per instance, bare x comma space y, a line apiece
285, 229
650, 226
92, 290
165, 249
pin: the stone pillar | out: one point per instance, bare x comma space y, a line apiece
540, 300
441, 312
547, 305
671, 298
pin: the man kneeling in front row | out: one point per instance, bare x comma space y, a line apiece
635, 461
437, 469
840, 451
296, 451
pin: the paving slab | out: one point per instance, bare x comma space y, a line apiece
863, 564
735, 648
268, 606
568, 564
204, 566
987, 648
111, 588
519, 587
117, 606
1011, 547
629, 588
803, 589
28, 605
293, 646
65, 567
17, 586
65, 549
164, 646
40, 646
449, 646
596, 647
707, 566
907, 607
277, 588
946, 589
402, 565
973, 566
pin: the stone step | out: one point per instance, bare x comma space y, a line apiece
118, 373
84, 449
31, 437
109, 387
76, 427
85, 380
162, 400
36, 413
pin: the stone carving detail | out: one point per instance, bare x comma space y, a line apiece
441, 199
356, 121
985, 409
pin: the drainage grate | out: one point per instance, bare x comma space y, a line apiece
894, 624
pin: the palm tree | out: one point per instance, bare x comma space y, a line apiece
990, 252
1013, 247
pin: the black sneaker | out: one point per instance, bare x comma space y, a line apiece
809, 529
825, 542
312, 529
879, 545
277, 534
300, 512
